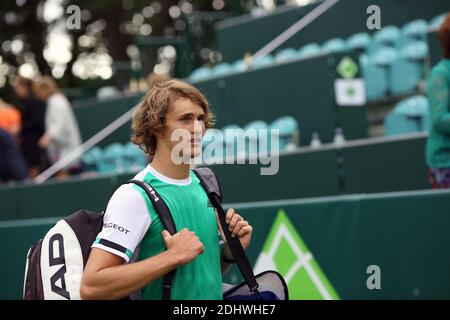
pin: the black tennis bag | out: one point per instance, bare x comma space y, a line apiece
55, 264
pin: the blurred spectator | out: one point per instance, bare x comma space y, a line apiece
9, 118
62, 134
12, 165
154, 78
438, 144
33, 126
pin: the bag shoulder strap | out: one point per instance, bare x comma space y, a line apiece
166, 218
210, 183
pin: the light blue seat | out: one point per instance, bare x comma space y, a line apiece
239, 66
201, 74
387, 36
396, 124
286, 54
263, 62
436, 22
359, 41
408, 116
213, 145
231, 135
112, 159
417, 50
408, 69
334, 45
254, 131
289, 137
309, 50
222, 69
385, 57
91, 158
411, 32
134, 158
375, 78
416, 29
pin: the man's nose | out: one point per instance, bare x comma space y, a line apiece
197, 128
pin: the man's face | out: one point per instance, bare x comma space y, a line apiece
184, 129
41, 93
21, 91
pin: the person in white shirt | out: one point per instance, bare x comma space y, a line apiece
62, 134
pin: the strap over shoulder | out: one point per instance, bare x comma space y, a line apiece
209, 181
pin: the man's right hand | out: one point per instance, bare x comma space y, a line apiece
184, 245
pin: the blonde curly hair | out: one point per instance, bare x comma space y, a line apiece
150, 116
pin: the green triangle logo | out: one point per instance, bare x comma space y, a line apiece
285, 252
347, 68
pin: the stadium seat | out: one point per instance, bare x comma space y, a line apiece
286, 54
407, 70
413, 31
334, 45
309, 50
263, 62
200, 74
436, 22
112, 159
289, 137
239, 66
386, 37
213, 139
231, 134
91, 158
222, 69
375, 78
408, 116
416, 29
359, 41
252, 141
133, 158
385, 57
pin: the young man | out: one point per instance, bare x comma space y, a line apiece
131, 220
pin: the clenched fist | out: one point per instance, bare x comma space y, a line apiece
184, 245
